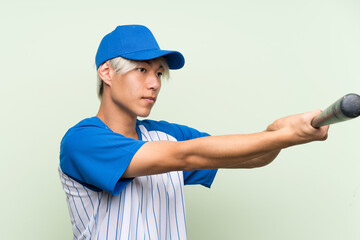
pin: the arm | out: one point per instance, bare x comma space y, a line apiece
260, 161
245, 150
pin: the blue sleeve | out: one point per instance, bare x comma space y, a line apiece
97, 157
203, 177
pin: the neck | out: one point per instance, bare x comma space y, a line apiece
117, 120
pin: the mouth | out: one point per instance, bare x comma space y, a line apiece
149, 99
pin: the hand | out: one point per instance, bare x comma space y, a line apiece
298, 128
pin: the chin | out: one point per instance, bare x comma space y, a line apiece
144, 114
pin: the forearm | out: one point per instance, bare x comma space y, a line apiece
257, 149
260, 161
234, 150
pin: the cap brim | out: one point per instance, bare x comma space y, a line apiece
174, 59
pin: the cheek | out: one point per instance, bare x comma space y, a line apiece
117, 91
125, 90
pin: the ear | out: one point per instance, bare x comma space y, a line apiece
104, 72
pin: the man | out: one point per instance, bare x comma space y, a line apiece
124, 177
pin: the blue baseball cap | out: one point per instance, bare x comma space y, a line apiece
135, 42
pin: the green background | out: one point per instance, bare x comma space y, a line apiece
247, 64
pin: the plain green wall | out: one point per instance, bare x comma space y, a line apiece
247, 63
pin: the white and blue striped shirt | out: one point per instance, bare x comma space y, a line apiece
148, 207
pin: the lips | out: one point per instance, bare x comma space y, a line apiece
149, 99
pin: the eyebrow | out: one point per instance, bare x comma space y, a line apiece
150, 63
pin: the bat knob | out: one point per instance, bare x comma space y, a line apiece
350, 105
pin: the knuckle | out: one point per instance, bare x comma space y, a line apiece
325, 137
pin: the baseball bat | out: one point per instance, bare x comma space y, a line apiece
346, 108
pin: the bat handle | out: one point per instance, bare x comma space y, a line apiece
345, 108
318, 120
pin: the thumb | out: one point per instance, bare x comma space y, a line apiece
313, 114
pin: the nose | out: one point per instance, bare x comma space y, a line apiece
153, 82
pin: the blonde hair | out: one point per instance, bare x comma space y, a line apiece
123, 65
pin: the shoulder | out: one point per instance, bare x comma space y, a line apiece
82, 129
90, 133
93, 154
178, 131
87, 125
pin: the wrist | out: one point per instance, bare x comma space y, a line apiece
285, 137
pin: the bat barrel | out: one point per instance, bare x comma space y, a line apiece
345, 108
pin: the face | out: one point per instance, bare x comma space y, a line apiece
135, 92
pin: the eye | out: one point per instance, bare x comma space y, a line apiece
142, 70
159, 74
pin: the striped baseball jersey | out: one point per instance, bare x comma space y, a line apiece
102, 205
